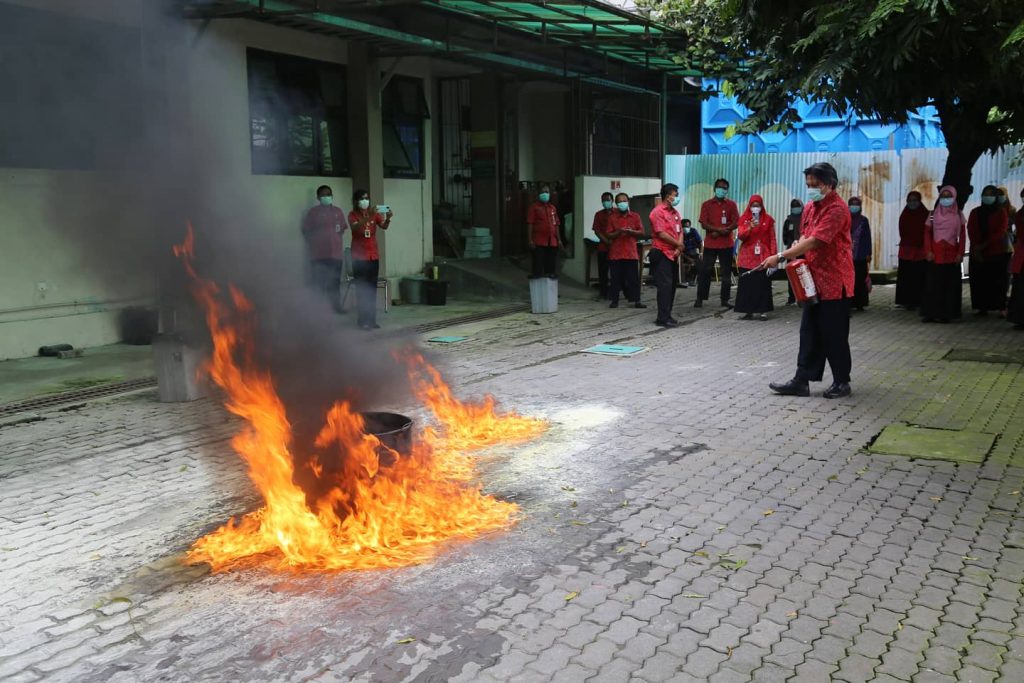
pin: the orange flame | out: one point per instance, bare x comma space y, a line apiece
374, 514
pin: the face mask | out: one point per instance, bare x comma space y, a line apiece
815, 194
946, 202
544, 196
854, 208
913, 205
988, 201
675, 202
606, 203
721, 192
364, 203
687, 228
756, 210
797, 210
326, 200
1002, 199
623, 206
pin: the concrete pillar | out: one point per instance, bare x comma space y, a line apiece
366, 140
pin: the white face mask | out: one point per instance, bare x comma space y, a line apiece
756, 210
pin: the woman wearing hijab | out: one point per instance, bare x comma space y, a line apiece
790, 235
945, 239
986, 228
1015, 309
757, 240
860, 233
913, 268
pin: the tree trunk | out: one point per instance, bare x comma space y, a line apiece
967, 137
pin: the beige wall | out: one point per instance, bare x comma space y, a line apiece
54, 289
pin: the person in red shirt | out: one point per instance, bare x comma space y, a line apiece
624, 227
757, 240
945, 240
826, 245
542, 232
600, 229
1015, 309
913, 267
365, 220
986, 227
667, 243
323, 227
719, 216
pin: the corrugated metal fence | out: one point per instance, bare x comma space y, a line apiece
881, 179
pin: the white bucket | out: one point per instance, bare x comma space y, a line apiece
543, 295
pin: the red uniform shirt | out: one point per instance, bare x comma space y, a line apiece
993, 242
1017, 262
944, 253
543, 222
831, 263
719, 213
912, 226
365, 248
323, 227
601, 227
624, 246
756, 242
665, 219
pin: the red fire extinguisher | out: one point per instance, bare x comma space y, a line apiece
802, 282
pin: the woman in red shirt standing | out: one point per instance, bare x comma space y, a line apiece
366, 256
945, 239
913, 268
826, 245
757, 241
542, 234
1015, 309
624, 227
987, 226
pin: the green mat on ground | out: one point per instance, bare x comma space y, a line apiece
615, 350
937, 444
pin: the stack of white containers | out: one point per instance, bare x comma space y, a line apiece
479, 243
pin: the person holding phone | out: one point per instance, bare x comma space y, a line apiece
365, 221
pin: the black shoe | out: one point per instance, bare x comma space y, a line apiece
793, 387
666, 323
614, 304
673, 321
727, 304
639, 305
927, 320
748, 316
838, 390
698, 303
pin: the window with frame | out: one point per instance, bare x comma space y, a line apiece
403, 111
298, 117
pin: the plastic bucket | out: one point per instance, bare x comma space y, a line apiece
436, 292
543, 295
411, 289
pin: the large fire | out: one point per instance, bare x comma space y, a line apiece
374, 514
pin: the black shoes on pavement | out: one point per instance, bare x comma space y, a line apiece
838, 390
793, 387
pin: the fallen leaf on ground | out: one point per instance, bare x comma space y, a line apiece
621, 549
183, 468
720, 528
573, 504
791, 614
969, 558
768, 512
693, 595
936, 498
571, 595
833, 477
577, 522
568, 488
701, 553
405, 641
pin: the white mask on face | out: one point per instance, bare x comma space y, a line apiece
756, 210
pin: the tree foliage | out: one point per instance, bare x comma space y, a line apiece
874, 58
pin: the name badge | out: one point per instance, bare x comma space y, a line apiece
757, 250
366, 234
337, 227
725, 219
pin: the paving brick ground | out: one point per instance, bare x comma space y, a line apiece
708, 530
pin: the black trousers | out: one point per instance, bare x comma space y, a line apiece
724, 257
365, 275
825, 336
910, 282
625, 277
545, 261
602, 274
860, 283
663, 270
943, 292
327, 279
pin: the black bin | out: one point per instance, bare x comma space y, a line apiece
436, 292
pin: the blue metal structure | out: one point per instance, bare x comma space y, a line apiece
820, 130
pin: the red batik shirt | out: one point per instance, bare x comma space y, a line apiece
665, 219
719, 214
757, 242
912, 228
365, 248
601, 219
993, 241
624, 246
831, 263
543, 222
323, 227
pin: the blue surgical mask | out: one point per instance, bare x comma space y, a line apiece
946, 201
623, 206
815, 194
364, 203
854, 208
326, 200
721, 192
988, 200
797, 210
606, 203
544, 196
675, 202
913, 206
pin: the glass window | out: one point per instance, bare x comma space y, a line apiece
403, 110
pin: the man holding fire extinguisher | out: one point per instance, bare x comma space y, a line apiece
827, 268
